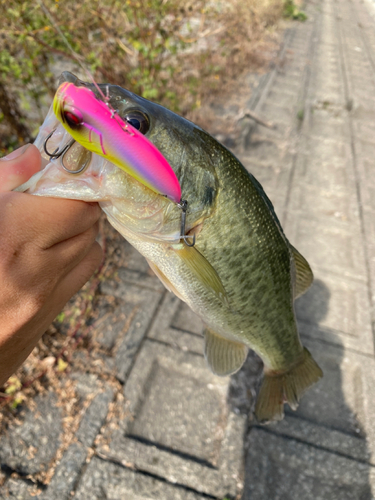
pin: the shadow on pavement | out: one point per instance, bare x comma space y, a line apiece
319, 451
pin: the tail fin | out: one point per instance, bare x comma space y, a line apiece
287, 387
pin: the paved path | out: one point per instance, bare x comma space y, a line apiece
173, 430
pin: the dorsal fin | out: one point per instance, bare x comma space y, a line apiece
223, 356
304, 276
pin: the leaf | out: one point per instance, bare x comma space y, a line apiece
60, 317
16, 401
14, 385
62, 365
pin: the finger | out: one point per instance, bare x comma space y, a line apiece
69, 253
19, 166
46, 221
52, 265
74, 219
74, 280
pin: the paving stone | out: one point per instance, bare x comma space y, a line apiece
94, 418
179, 426
112, 325
31, 446
129, 347
286, 82
363, 98
363, 120
67, 473
326, 438
327, 165
244, 385
365, 167
107, 480
329, 247
340, 306
291, 470
263, 151
17, 489
265, 174
280, 98
365, 149
325, 125
330, 93
70, 466
135, 261
184, 320
146, 302
277, 114
177, 325
86, 384
140, 278
344, 399
334, 205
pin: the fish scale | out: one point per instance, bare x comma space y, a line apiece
242, 275
263, 308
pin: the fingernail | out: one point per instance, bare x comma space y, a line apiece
16, 153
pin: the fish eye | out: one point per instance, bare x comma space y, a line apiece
138, 120
72, 119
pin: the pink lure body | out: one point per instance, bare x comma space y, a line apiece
97, 128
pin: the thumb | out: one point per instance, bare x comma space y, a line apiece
19, 166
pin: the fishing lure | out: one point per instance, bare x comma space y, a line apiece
99, 129
94, 125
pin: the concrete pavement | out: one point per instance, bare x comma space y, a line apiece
171, 430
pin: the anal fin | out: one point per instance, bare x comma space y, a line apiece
304, 275
223, 356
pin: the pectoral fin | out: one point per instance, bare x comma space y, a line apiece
203, 271
223, 356
304, 276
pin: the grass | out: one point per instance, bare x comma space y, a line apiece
301, 114
176, 52
293, 11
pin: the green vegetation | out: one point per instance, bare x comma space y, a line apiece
292, 11
175, 52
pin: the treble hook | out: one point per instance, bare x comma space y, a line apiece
183, 206
56, 154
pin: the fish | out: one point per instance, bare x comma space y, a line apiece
241, 276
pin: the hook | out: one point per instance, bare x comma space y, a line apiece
183, 205
56, 154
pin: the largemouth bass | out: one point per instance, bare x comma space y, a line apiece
241, 276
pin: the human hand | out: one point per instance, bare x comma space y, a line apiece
47, 252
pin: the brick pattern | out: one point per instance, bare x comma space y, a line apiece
181, 432
326, 449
